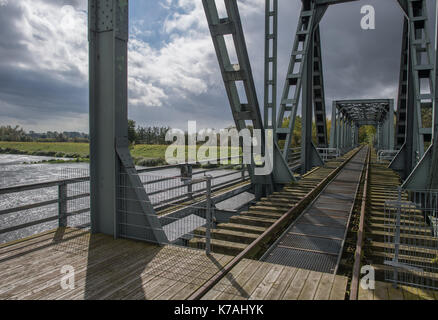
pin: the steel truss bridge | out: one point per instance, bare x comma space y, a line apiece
302, 212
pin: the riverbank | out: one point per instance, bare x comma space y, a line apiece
143, 155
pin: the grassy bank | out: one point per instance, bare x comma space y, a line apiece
144, 155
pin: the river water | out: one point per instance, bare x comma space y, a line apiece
15, 170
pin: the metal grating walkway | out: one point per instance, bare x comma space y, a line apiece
315, 240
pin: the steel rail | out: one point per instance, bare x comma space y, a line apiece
266, 236
354, 286
356, 194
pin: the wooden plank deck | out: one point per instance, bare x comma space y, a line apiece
104, 268
256, 280
123, 269
385, 291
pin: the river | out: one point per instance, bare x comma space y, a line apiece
15, 170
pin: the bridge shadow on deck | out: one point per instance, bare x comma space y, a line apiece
132, 270
104, 268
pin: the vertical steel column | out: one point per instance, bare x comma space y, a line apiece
271, 43
391, 135
108, 106
109, 147
333, 128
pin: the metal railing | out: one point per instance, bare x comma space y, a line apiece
181, 222
34, 208
411, 237
329, 153
386, 155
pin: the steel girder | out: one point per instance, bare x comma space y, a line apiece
425, 175
271, 47
402, 101
420, 93
349, 115
109, 152
308, 74
318, 92
244, 114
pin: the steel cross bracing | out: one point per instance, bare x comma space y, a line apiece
420, 96
271, 46
244, 113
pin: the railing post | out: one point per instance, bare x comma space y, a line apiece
62, 205
187, 175
208, 216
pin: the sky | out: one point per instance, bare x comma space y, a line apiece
174, 75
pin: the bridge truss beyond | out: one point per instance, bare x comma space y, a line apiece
349, 115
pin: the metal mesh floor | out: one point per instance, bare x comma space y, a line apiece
324, 220
311, 243
321, 231
303, 259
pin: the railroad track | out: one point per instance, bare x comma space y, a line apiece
316, 239
235, 236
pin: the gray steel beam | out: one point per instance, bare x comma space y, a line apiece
109, 153
243, 111
271, 42
433, 177
319, 92
309, 155
421, 69
424, 175
403, 88
334, 127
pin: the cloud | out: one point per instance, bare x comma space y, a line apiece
173, 71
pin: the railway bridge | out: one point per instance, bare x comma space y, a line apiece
330, 211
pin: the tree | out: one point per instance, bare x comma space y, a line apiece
132, 133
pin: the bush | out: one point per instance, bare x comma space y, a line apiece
60, 154
149, 162
72, 155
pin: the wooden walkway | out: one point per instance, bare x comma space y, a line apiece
385, 291
104, 268
123, 269
255, 280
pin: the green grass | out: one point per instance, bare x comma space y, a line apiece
146, 155
75, 150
